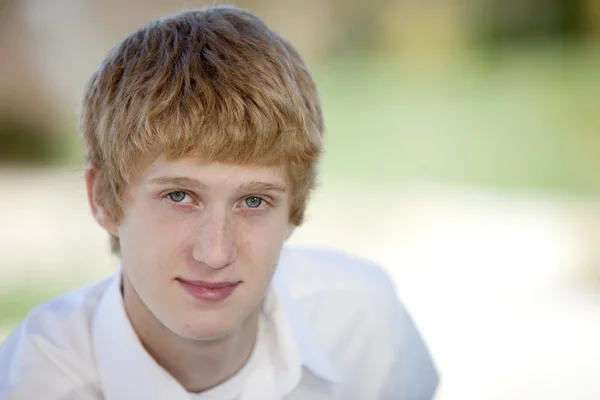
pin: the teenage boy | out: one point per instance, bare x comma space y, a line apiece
203, 132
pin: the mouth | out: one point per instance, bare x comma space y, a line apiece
208, 291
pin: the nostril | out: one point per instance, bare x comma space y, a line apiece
215, 255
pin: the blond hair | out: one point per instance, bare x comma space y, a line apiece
216, 84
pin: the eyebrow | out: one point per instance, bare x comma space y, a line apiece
256, 186
178, 181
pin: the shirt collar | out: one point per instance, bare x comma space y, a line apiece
122, 360
125, 368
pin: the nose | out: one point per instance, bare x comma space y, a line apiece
215, 242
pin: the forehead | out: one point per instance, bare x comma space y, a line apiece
213, 173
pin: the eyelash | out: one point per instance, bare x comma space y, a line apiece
177, 191
264, 201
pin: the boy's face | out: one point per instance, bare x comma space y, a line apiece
200, 242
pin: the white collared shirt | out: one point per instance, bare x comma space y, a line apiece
332, 327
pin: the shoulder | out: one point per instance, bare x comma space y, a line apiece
322, 271
65, 316
51, 350
335, 290
336, 293
65, 319
352, 309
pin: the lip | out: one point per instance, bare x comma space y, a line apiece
208, 291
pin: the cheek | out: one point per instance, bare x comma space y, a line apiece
262, 241
154, 234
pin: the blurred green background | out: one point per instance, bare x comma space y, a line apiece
502, 96
481, 92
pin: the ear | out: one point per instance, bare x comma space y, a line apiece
290, 230
98, 211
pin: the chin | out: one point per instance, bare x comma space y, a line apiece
206, 329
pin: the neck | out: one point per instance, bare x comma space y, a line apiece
198, 365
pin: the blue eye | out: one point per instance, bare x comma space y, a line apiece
177, 197
253, 202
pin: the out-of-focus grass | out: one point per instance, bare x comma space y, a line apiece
519, 118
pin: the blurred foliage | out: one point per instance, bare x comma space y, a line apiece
30, 143
509, 21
